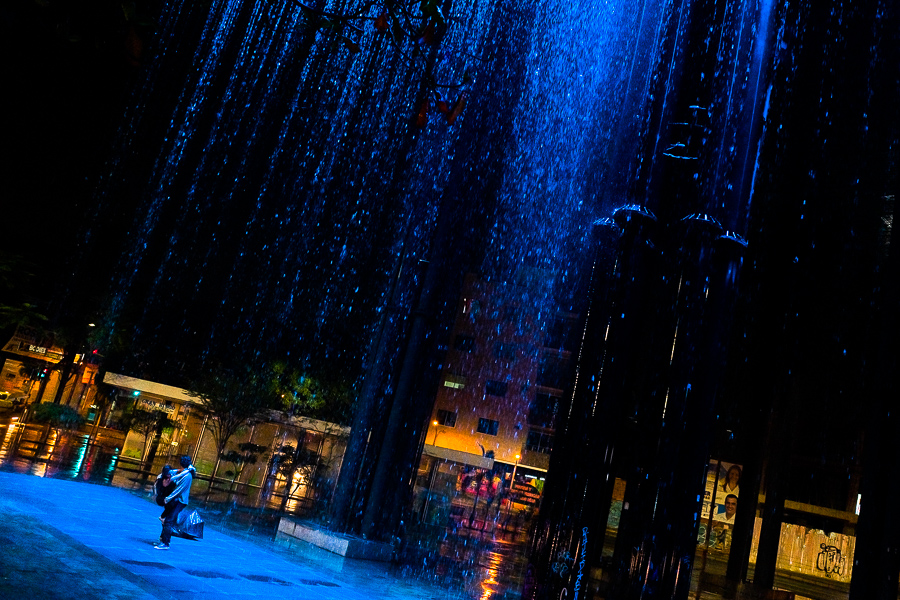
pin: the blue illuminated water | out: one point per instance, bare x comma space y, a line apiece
283, 181
280, 192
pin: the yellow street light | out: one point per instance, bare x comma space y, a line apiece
434, 441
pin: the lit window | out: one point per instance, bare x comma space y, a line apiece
457, 382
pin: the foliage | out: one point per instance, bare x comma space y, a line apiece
19, 310
233, 397
146, 423
246, 454
290, 460
59, 416
313, 396
104, 393
297, 390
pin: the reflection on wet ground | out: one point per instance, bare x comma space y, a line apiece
482, 556
500, 566
45, 452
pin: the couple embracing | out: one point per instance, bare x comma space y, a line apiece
172, 491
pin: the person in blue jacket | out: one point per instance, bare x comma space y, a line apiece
176, 501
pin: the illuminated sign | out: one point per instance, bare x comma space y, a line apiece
41, 350
150, 405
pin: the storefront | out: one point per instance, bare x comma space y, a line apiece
29, 359
457, 489
290, 460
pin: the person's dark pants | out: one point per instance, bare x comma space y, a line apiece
168, 509
171, 518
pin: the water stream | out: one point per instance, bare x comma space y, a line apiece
311, 182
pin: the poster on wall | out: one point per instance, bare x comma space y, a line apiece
720, 501
722, 480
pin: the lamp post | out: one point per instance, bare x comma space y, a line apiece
512, 482
509, 493
515, 466
436, 432
434, 469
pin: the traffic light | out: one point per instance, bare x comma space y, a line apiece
44, 373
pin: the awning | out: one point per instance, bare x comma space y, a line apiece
159, 390
457, 456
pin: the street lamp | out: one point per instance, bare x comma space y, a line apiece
434, 441
434, 469
512, 481
509, 493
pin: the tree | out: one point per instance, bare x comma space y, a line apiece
149, 424
20, 298
246, 454
233, 397
315, 396
72, 335
57, 416
290, 460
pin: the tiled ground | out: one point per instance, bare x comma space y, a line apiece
66, 539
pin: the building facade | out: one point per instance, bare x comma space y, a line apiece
491, 431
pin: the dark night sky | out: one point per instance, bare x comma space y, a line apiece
70, 72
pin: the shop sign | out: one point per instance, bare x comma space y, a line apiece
150, 405
524, 493
41, 350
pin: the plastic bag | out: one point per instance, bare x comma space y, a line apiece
190, 524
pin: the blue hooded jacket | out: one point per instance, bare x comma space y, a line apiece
182, 482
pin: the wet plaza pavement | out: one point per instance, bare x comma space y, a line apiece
79, 526
471, 562
67, 539
76, 539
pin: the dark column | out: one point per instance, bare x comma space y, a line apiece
345, 510
777, 455
392, 468
876, 563
583, 465
661, 529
